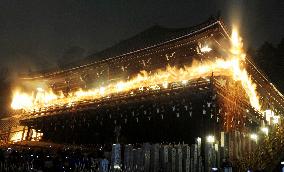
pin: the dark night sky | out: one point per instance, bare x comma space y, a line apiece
36, 33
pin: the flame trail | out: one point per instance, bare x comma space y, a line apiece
231, 66
240, 74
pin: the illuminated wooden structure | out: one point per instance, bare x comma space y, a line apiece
180, 112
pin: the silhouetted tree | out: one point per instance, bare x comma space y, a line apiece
270, 59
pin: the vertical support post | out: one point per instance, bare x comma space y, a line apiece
23, 134
28, 137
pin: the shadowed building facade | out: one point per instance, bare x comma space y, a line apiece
211, 105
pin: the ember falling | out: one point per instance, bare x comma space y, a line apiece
231, 66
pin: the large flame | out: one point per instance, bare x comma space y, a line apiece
230, 65
240, 74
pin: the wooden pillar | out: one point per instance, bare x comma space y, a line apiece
28, 137
23, 134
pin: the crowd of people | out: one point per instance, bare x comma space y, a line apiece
40, 159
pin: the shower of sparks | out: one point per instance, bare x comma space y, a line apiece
229, 66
